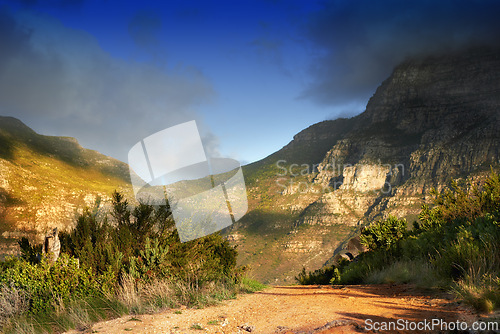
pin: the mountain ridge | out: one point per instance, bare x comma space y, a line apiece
67, 149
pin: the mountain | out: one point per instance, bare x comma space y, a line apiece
45, 180
436, 118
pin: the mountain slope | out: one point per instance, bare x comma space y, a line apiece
45, 180
434, 119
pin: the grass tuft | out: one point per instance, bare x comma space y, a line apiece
249, 285
196, 326
420, 273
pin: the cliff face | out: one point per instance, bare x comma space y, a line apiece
45, 181
434, 119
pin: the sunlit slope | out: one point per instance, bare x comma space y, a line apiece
45, 180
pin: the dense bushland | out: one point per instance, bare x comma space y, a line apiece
143, 242
127, 260
454, 245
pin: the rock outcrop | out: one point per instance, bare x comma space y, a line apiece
51, 246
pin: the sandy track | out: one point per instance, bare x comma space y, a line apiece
297, 309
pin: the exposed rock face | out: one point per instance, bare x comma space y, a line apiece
434, 119
352, 249
365, 177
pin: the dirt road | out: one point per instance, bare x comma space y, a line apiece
298, 309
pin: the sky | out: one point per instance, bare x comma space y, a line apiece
251, 74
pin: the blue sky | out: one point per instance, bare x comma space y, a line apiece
251, 73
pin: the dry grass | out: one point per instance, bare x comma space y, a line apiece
23, 327
131, 297
420, 273
480, 286
13, 302
148, 297
79, 316
159, 295
127, 292
483, 293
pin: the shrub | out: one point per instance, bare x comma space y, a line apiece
142, 242
29, 252
128, 259
13, 302
383, 234
45, 285
320, 276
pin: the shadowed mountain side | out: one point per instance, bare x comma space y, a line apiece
308, 146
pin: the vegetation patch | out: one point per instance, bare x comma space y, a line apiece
126, 261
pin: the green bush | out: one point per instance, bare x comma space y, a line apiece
320, 276
47, 285
29, 252
142, 241
383, 234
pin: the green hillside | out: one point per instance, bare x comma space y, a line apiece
45, 181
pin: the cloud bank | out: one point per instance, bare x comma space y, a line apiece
358, 43
61, 80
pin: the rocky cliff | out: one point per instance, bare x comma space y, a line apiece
434, 119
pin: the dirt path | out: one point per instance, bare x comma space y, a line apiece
297, 309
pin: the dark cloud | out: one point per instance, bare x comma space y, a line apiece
27, 75
60, 81
13, 38
358, 43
